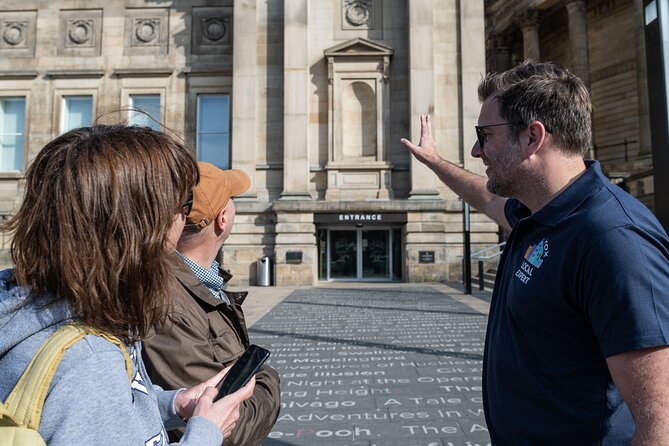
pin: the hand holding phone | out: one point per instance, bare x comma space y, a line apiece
242, 370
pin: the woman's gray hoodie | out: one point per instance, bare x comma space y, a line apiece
91, 401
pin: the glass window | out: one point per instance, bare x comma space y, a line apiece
150, 105
213, 129
77, 112
12, 119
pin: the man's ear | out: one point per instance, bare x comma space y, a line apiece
536, 135
221, 221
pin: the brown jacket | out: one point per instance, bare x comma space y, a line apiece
202, 335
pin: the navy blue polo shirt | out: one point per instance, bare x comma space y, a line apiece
584, 278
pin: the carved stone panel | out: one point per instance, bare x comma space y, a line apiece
80, 32
362, 18
17, 33
147, 31
212, 30
357, 14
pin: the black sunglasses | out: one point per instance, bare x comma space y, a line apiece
481, 135
188, 205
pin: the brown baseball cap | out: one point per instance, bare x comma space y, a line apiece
212, 193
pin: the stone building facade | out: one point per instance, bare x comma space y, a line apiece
310, 98
603, 42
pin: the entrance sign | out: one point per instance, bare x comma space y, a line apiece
351, 218
360, 217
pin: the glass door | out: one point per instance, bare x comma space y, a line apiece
359, 254
343, 254
375, 250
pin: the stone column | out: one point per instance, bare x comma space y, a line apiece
244, 72
295, 233
296, 101
472, 66
421, 85
529, 25
642, 78
578, 37
501, 55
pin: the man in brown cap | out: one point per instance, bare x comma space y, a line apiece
207, 331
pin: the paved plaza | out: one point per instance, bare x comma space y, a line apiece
375, 365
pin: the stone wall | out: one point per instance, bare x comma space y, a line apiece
270, 57
615, 60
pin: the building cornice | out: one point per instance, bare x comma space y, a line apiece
208, 71
74, 74
18, 75
316, 206
143, 72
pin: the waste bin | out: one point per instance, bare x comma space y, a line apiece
264, 271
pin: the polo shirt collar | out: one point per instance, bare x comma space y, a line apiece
571, 198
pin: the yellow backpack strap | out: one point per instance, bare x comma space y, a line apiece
25, 402
6, 418
116, 341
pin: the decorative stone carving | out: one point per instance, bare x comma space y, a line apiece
358, 12
212, 30
528, 17
81, 32
14, 32
17, 33
147, 30
358, 18
604, 8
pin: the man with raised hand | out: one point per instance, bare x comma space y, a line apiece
576, 345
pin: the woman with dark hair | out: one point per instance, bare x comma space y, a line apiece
104, 207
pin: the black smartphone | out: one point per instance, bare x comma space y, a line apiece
241, 372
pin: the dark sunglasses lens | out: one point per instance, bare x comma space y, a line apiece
480, 136
188, 205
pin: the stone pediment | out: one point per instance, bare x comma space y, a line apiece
359, 47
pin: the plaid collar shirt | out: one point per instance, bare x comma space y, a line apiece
209, 277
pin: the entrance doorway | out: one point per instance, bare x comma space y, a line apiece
360, 254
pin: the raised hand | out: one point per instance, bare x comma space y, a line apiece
426, 150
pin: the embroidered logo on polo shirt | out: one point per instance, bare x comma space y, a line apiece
534, 258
